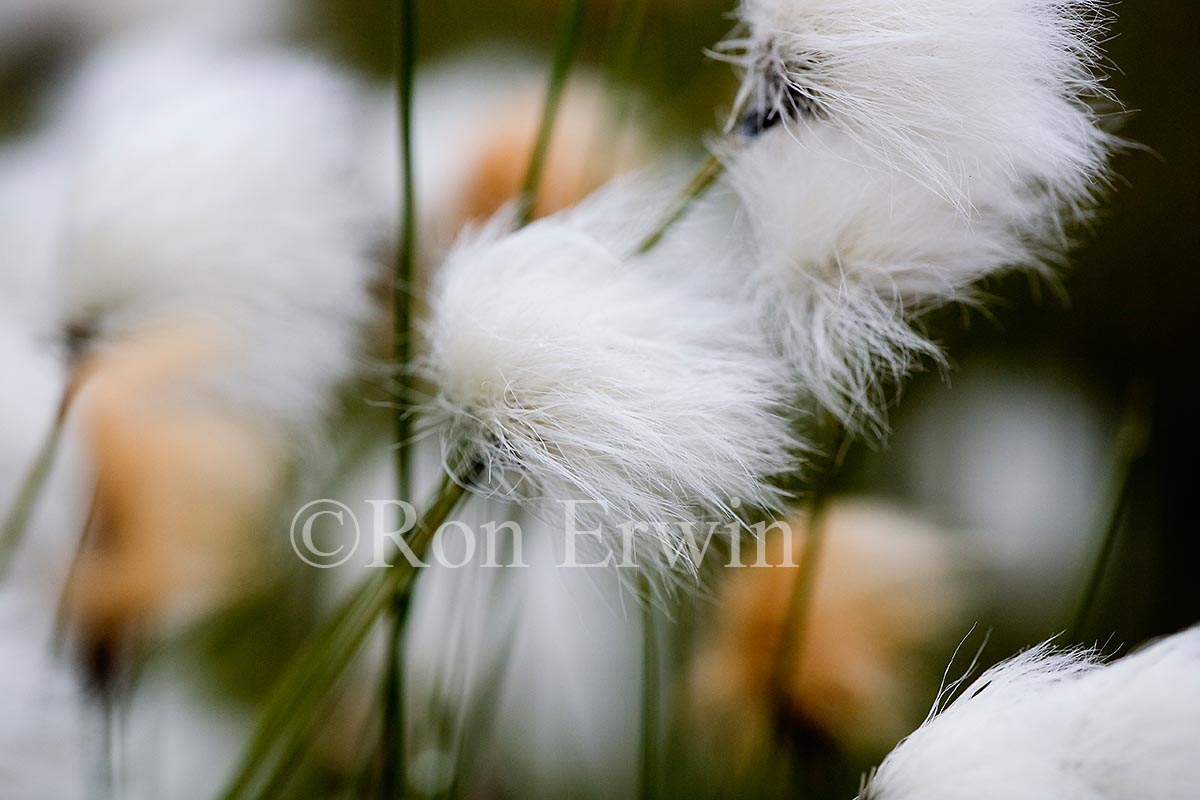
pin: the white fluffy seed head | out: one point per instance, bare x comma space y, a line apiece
1061, 725
227, 186
845, 254
575, 373
938, 89
894, 153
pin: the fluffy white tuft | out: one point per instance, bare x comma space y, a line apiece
939, 89
227, 186
893, 154
844, 262
1054, 724
575, 373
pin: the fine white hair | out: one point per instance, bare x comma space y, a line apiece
227, 186
892, 154
845, 261
1061, 724
937, 88
575, 372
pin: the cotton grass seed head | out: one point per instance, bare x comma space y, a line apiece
227, 185
936, 88
1061, 724
575, 373
845, 255
892, 154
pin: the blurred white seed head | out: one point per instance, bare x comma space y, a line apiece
574, 372
1060, 724
225, 186
35, 377
31, 206
894, 153
223, 18
30, 22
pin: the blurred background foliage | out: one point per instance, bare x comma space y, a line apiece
1015, 446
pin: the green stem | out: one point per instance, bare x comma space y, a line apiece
1108, 543
792, 636
704, 179
626, 26
627, 48
406, 252
295, 705
568, 44
491, 695
791, 641
1131, 444
66, 599
362, 772
648, 765
392, 732
31, 488
394, 775
110, 779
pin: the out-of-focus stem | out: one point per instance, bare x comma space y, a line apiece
564, 56
792, 636
31, 488
649, 757
406, 252
295, 705
392, 779
701, 182
393, 775
1132, 438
